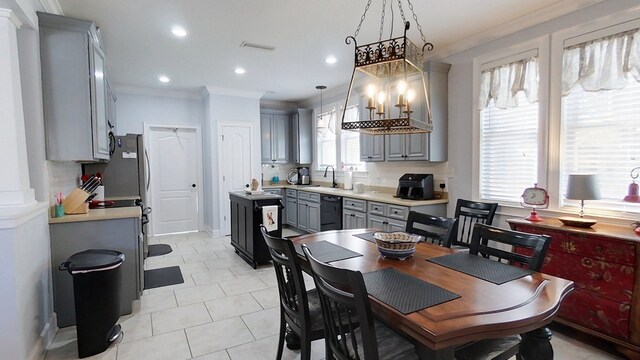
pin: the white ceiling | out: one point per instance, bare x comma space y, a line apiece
139, 45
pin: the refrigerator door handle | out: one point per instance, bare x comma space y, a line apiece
146, 155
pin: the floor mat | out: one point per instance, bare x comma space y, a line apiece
159, 249
162, 277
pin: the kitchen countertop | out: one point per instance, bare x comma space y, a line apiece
100, 214
378, 196
264, 196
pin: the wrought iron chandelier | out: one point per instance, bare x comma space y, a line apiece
394, 78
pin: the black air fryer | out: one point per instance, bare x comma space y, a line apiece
415, 187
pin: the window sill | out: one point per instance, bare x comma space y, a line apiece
610, 217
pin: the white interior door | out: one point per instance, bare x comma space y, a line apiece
174, 154
235, 160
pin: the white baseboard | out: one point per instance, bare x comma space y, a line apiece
212, 232
39, 349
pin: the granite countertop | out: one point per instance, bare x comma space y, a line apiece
378, 196
263, 196
100, 214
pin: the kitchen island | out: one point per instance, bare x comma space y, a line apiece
246, 218
111, 228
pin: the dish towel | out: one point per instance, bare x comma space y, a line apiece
270, 217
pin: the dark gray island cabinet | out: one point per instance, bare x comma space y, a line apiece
246, 218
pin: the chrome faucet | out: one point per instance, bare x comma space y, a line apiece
334, 184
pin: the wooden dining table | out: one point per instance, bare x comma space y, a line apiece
484, 310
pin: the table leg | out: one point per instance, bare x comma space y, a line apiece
425, 353
536, 345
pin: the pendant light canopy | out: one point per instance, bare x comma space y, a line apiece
393, 76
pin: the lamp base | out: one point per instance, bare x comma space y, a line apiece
578, 221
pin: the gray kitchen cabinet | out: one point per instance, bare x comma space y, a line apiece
74, 90
111, 109
281, 193
354, 213
291, 209
371, 147
308, 211
274, 130
68, 238
301, 137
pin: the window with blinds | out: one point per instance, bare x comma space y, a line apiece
508, 132
601, 135
350, 143
326, 139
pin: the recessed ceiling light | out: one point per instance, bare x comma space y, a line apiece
179, 31
239, 71
331, 59
164, 78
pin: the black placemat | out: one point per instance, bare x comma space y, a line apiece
482, 268
366, 236
159, 249
403, 292
162, 277
327, 252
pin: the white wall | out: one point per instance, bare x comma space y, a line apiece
133, 109
224, 106
460, 92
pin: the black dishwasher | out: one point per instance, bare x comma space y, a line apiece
330, 212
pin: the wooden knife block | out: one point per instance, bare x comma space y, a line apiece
75, 202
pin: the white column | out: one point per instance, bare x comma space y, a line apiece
15, 190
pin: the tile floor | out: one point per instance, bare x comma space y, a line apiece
223, 310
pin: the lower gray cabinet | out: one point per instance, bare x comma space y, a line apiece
303, 215
308, 211
385, 224
313, 211
291, 211
122, 235
353, 219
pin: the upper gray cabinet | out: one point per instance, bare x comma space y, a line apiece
430, 147
274, 135
74, 90
301, 132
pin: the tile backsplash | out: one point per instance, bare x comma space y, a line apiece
63, 177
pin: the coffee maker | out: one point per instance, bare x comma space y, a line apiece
304, 176
415, 187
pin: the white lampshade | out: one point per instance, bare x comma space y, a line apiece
583, 187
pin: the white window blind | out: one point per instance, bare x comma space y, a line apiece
350, 143
326, 139
601, 135
508, 131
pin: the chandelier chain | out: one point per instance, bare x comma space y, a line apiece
404, 19
415, 17
384, 8
362, 18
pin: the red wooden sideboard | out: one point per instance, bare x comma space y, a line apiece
604, 263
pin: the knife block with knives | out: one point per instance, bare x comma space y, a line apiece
77, 202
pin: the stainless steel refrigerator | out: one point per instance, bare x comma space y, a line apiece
126, 176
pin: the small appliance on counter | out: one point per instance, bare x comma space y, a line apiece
415, 187
304, 176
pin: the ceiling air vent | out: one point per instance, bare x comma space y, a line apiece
257, 46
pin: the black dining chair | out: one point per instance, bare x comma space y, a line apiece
494, 243
344, 301
298, 307
435, 229
469, 213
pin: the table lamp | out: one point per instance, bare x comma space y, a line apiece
581, 187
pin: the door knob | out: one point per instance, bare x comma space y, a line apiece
193, 185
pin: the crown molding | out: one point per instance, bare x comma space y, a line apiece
278, 105
51, 6
548, 13
214, 90
177, 94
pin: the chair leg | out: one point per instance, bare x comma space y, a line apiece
305, 347
283, 328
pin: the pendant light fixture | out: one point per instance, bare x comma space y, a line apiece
322, 124
394, 80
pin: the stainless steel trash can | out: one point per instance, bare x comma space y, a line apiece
96, 293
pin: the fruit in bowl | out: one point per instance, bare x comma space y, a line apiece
396, 244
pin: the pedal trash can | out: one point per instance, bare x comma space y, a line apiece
96, 293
